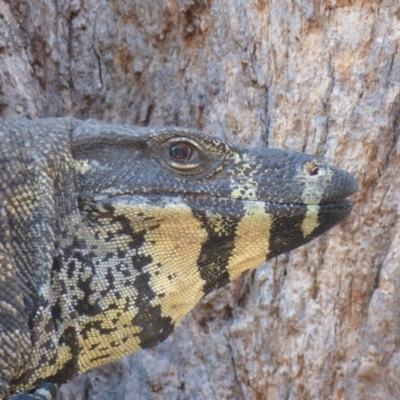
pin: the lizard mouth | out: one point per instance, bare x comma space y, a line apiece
340, 203
223, 205
300, 192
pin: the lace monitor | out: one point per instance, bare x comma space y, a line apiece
110, 235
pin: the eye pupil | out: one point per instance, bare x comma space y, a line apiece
180, 152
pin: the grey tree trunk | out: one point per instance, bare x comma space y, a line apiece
322, 322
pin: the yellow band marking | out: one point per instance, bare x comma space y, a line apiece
310, 221
173, 240
252, 240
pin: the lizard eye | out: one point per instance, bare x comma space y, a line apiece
180, 152
184, 155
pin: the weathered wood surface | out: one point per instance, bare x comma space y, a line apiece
322, 322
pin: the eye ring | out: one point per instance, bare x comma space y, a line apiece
183, 155
180, 152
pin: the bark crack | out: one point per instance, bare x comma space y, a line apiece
236, 378
97, 54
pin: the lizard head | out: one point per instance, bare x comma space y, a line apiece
173, 214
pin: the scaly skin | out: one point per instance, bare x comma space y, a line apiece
110, 235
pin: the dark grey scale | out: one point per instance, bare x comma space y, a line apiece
213, 261
286, 232
155, 326
84, 306
110, 283
95, 326
69, 338
330, 215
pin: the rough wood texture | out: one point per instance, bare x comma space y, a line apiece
323, 77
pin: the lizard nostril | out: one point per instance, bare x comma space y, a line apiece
311, 168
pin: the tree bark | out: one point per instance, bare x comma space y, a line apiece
323, 77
